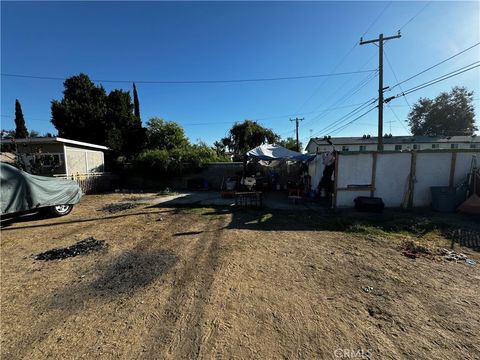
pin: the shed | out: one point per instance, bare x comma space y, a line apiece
58, 156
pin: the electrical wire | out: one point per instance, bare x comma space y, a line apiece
433, 66
347, 96
414, 16
398, 119
440, 78
351, 122
345, 57
395, 76
196, 81
208, 123
346, 116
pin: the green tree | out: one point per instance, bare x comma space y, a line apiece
136, 103
21, 131
291, 144
125, 134
165, 135
80, 115
448, 114
248, 135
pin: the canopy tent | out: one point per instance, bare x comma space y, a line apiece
269, 152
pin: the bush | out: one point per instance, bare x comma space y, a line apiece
175, 162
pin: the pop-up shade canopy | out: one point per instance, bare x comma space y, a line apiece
269, 152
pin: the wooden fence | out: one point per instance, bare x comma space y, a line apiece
91, 183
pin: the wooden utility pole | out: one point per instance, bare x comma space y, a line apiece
380, 41
296, 124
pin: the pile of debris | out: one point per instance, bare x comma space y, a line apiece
84, 246
412, 250
114, 208
451, 255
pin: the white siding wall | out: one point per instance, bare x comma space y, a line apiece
84, 161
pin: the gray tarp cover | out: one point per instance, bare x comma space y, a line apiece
269, 152
21, 191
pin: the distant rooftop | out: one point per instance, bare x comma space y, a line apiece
397, 140
49, 140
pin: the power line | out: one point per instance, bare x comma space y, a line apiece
395, 76
347, 116
346, 56
414, 16
438, 79
377, 18
433, 66
196, 81
355, 89
351, 122
11, 116
398, 119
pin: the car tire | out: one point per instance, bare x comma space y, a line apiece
61, 210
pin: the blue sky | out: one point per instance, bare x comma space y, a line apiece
235, 40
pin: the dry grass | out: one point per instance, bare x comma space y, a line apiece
211, 283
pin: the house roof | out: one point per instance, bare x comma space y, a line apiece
50, 140
396, 140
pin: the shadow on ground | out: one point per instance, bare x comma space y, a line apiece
457, 228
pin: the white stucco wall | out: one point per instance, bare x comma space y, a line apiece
391, 177
392, 172
433, 169
462, 166
354, 170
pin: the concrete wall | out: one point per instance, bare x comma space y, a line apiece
392, 174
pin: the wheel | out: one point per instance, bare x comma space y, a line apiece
61, 210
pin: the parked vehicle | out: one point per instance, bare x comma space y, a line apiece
22, 193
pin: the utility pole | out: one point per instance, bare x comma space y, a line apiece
380, 41
296, 124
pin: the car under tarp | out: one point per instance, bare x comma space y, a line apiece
21, 191
269, 152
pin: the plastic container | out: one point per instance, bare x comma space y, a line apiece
443, 198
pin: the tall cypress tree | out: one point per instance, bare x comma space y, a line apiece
20, 127
136, 104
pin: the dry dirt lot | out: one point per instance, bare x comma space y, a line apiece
214, 283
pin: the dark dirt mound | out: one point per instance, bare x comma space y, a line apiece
113, 208
84, 246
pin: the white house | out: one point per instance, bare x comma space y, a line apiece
394, 143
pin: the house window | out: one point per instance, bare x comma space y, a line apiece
398, 147
473, 146
434, 146
344, 148
317, 149
363, 147
453, 146
416, 147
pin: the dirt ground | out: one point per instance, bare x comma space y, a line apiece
178, 283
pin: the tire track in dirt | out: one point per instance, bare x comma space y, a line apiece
185, 332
